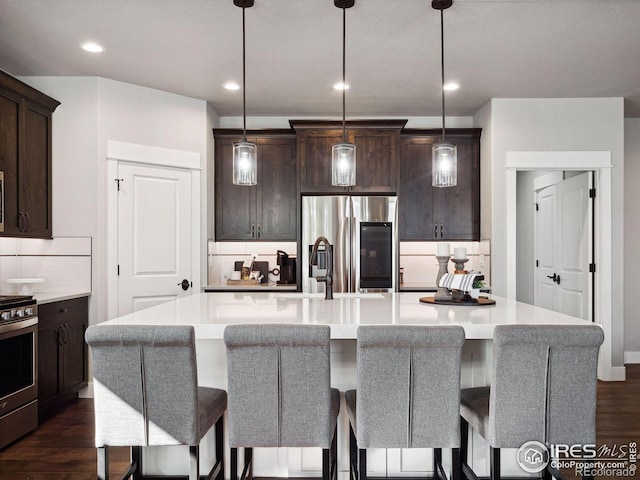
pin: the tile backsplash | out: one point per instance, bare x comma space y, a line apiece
222, 255
63, 262
418, 259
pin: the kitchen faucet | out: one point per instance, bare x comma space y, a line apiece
313, 260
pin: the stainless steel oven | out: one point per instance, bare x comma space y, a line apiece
18, 367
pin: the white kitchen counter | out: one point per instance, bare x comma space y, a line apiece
50, 297
210, 313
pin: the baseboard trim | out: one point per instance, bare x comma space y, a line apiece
631, 357
86, 392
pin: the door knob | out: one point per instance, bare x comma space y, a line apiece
185, 284
554, 278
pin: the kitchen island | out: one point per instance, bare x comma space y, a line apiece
210, 313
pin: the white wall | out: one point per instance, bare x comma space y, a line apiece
482, 119
525, 231
93, 111
631, 239
577, 124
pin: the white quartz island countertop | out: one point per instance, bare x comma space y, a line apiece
210, 313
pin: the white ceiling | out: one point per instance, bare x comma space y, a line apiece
494, 48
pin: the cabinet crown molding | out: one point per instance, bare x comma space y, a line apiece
350, 124
30, 93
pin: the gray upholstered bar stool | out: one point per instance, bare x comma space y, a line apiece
146, 394
280, 395
543, 389
408, 393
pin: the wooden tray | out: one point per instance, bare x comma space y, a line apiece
243, 282
481, 301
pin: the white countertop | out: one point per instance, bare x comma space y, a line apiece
50, 297
210, 313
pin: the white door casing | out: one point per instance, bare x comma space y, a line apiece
122, 153
600, 163
154, 230
564, 242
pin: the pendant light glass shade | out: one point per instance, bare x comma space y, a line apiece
245, 163
343, 164
444, 159
245, 154
444, 163
343, 155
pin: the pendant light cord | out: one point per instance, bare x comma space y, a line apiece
344, 85
244, 83
442, 66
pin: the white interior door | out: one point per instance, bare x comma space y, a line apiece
154, 235
564, 226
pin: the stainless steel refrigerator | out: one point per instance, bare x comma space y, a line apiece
363, 233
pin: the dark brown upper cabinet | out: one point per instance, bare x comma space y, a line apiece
428, 213
25, 158
267, 211
377, 148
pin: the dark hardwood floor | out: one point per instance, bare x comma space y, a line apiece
63, 449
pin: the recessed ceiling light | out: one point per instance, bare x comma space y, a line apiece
451, 86
92, 47
341, 86
231, 86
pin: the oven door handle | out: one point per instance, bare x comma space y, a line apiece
11, 327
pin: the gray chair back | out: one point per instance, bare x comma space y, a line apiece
544, 384
145, 385
279, 384
408, 386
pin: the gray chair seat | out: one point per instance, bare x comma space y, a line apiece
146, 394
280, 395
543, 388
474, 408
408, 393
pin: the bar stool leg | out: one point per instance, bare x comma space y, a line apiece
234, 464
362, 464
456, 464
220, 447
136, 458
194, 462
103, 463
353, 454
437, 463
494, 463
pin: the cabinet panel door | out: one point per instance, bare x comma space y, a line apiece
415, 193
459, 206
49, 365
235, 204
35, 172
277, 189
9, 154
314, 152
75, 354
376, 163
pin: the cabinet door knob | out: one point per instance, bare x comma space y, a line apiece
259, 234
435, 231
64, 310
253, 230
441, 231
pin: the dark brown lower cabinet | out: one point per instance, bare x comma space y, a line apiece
62, 354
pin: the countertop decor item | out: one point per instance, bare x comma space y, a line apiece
442, 294
469, 303
25, 284
459, 263
245, 154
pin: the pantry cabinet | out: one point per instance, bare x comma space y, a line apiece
268, 210
25, 158
433, 213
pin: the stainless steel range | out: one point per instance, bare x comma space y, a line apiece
18, 367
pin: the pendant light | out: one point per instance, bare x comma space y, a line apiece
245, 154
343, 155
445, 155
